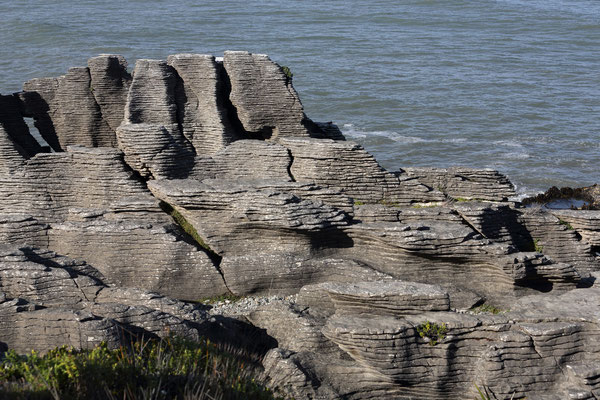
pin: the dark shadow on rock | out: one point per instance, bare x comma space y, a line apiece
14, 125
331, 238
231, 111
73, 268
495, 221
34, 106
238, 336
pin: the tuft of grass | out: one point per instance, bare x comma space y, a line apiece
287, 72
425, 205
388, 203
565, 223
359, 203
185, 225
537, 246
171, 368
487, 308
433, 332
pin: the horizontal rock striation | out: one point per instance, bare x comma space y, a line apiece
198, 176
70, 300
466, 183
346, 165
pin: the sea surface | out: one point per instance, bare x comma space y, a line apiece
512, 85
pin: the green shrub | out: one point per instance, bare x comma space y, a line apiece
565, 223
433, 332
287, 72
537, 246
159, 369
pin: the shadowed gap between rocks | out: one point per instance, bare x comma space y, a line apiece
232, 114
191, 236
33, 105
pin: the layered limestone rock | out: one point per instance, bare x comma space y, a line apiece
585, 223
12, 156
110, 83
397, 349
263, 96
246, 159
136, 253
70, 300
450, 254
346, 165
202, 102
267, 236
195, 177
466, 183
75, 116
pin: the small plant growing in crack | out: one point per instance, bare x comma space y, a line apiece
566, 224
537, 246
287, 72
185, 225
432, 332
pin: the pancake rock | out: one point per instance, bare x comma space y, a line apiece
197, 176
40, 288
380, 342
262, 94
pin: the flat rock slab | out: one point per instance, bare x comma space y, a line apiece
392, 298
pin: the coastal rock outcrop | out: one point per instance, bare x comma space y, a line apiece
196, 176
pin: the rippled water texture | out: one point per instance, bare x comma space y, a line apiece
508, 84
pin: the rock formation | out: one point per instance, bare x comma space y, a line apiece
197, 176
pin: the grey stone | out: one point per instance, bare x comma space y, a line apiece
466, 183
265, 101
201, 101
110, 83
347, 166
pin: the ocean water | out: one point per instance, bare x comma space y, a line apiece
507, 84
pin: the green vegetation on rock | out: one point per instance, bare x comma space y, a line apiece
433, 332
232, 298
185, 225
487, 308
171, 368
565, 223
287, 72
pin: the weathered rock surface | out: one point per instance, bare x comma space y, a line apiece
202, 102
346, 165
245, 159
265, 101
585, 223
110, 84
466, 183
70, 300
528, 351
195, 177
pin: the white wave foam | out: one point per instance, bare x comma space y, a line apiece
352, 132
508, 143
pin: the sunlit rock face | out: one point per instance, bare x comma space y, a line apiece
198, 176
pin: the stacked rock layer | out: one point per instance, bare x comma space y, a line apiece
197, 176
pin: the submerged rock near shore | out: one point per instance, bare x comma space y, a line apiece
195, 177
